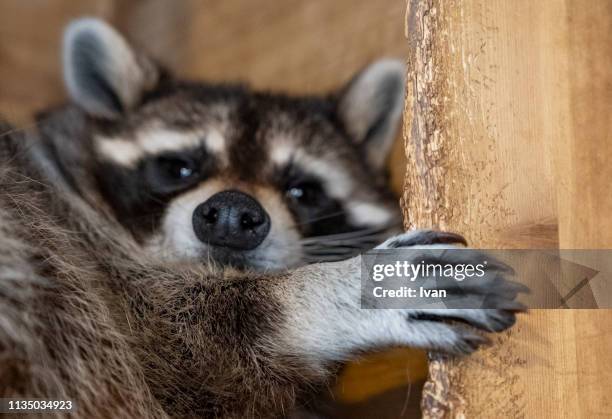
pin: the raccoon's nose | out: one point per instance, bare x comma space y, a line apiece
231, 219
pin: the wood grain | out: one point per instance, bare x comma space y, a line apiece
506, 130
584, 188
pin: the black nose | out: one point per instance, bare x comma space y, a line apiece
231, 219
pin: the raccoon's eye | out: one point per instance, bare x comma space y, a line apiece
176, 168
306, 193
167, 174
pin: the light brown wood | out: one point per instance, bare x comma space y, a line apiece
584, 188
30, 65
507, 129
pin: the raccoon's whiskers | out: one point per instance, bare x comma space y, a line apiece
351, 237
323, 217
343, 245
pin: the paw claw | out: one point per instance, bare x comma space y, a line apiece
468, 343
512, 306
424, 238
501, 320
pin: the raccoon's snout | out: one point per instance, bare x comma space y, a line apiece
231, 219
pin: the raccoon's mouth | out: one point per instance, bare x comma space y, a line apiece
230, 257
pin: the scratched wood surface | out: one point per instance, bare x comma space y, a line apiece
507, 133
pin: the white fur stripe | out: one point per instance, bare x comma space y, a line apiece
155, 141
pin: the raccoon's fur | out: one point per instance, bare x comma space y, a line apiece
102, 302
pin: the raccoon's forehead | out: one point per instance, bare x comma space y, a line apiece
128, 149
238, 132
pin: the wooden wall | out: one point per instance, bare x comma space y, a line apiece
30, 35
292, 45
508, 131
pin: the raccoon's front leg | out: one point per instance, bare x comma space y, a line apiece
325, 321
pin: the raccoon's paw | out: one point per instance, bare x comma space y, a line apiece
419, 238
489, 320
492, 320
467, 342
433, 333
494, 292
443, 333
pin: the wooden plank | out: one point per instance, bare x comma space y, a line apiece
476, 121
584, 188
582, 157
491, 109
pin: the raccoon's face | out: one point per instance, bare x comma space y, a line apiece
224, 174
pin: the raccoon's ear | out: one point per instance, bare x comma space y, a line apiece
103, 74
370, 107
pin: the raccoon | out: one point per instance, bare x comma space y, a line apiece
182, 249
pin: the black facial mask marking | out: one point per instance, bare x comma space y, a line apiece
315, 212
140, 195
